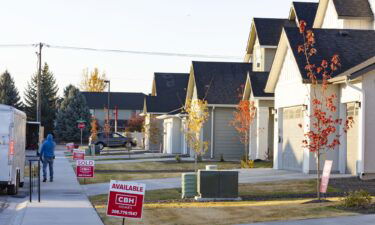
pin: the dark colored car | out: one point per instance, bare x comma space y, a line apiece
113, 140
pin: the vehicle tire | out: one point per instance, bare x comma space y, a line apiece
22, 184
128, 144
13, 189
100, 145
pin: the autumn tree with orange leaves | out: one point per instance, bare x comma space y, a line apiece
322, 134
243, 117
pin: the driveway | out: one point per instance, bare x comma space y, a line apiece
245, 176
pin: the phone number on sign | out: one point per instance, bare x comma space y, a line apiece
122, 212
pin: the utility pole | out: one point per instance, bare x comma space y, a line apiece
38, 99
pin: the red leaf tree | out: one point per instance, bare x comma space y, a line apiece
322, 134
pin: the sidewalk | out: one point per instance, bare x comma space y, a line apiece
62, 201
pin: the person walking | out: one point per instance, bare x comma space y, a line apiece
47, 155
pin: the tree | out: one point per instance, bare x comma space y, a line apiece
48, 98
93, 81
243, 117
73, 108
8, 92
135, 123
322, 135
197, 116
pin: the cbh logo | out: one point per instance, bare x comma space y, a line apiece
126, 200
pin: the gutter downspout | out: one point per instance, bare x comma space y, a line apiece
212, 131
362, 122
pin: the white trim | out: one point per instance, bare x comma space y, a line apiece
268, 46
264, 98
212, 131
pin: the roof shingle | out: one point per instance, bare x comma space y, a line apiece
123, 100
269, 29
353, 8
306, 11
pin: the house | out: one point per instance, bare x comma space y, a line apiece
219, 84
290, 85
261, 48
127, 104
167, 98
345, 14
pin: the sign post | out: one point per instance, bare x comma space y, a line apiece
85, 169
81, 126
125, 199
325, 177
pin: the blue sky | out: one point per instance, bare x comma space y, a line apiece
213, 27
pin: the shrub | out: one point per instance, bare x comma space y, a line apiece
357, 199
247, 163
222, 158
178, 158
199, 158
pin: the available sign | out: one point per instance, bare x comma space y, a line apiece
125, 199
85, 168
78, 154
325, 177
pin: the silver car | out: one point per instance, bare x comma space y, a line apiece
113, 140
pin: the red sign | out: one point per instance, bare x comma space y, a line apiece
125, 199
325, 177
85, 168
70, 146
11, 148
78, 154
81, 125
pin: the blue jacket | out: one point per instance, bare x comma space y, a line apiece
48, 147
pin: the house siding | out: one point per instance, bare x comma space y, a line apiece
226, 138
369, 87
269, 55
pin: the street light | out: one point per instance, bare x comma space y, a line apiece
108, 106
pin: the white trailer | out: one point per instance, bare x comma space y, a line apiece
12, 148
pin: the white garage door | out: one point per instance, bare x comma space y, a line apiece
292, 151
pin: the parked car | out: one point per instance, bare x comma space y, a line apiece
12, 148
113, 140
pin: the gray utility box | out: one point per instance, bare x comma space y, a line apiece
189, 185
217, 184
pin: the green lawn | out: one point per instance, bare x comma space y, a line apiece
146, 170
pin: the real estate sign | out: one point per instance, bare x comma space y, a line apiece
125, 199
78, 154
325, 177
85, 168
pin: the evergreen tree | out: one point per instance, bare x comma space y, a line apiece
72, 109
8, 92
48, 96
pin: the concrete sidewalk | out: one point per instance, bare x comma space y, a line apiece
345, 220
63, 201
246, 176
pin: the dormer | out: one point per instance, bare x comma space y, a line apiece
262, 42
345, 14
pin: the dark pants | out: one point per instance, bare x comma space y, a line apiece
48, 161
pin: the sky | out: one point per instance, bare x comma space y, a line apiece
209, 27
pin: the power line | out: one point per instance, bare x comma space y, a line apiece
152, 53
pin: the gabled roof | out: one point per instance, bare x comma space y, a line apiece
170, 83
352, 46
220, 82
170, 93
258, 81
269, 29
305, 11
353, 8
123, 100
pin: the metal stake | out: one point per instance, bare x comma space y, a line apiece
123, 221
30, 193
39, 180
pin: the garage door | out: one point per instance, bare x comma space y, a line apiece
352, 140
226, 138
292, 151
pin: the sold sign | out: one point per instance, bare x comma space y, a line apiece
85, 168
125, 199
